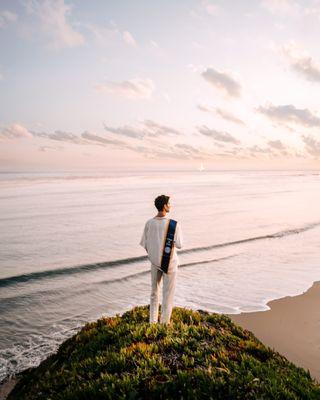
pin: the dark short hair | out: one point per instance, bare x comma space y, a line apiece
160, 201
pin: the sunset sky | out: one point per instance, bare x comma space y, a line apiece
159, 84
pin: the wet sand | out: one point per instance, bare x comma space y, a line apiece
291, 327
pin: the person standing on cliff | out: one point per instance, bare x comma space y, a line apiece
161, 236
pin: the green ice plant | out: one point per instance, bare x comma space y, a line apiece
199, 355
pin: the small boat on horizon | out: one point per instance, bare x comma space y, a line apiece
201, 168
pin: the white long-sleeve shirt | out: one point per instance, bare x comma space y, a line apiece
153, 238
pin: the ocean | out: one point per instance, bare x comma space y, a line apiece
70, 250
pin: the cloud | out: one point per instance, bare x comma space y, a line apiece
166, 97
154, 137
109, 35
257, 149
126, 131
6, 17
129, 39
16, 131
156, 49
302, 62
53, 15
289, 113
187, 149
204, 108
132, 89
210, 7
222, 81
276, 144
65, 137
101, 140
152, 133
229, 116
147, 128
282, 7
178, 151
275, 149
60, 136
218, 135
292, 8
84, 139
312, 145
46, 148
102, 35
156, 153
155, 129
195, 67
154, 44
313, 10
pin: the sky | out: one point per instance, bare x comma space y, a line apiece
148, 85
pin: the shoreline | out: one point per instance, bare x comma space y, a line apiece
7, 385
291, 317
291, 327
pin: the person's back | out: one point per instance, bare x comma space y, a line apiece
153, 241
163, 257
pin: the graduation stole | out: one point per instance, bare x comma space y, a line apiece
168, 245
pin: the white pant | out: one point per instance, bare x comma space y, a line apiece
169, 284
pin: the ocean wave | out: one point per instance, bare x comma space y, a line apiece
141, 273
38, 347
13, 280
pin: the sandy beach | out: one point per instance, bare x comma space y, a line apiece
291, 327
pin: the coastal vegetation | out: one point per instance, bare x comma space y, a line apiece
199, 355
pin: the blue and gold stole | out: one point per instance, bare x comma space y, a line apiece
168, 245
